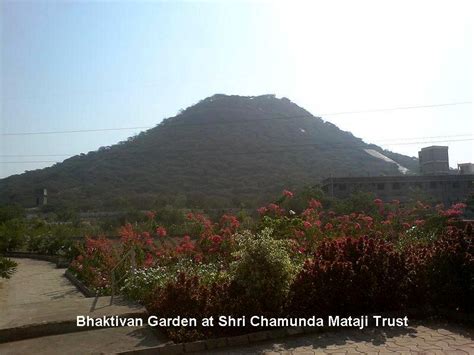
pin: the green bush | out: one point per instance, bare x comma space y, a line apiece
263, 270
141, 283
12, 234
51, 245
7, 267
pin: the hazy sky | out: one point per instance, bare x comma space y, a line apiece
84, 65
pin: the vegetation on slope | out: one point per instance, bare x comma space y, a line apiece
225, 151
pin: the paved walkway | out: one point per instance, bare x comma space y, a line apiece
38, 292
99, 341
426, 338
38, 300
35, 281
64, 310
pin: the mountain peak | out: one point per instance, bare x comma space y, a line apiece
224, 151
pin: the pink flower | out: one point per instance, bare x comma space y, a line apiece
315, 203
328, 226
307, 225
150, 214
148, 260
419, 222
378, 201
287, 193
299, 234
273, 207
262, 210
216, 239
161, 231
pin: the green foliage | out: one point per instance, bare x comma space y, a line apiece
7, 267
263, 269
140, 284
357, 202
10, 212
12, 234
52, 245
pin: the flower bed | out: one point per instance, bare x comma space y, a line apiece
310, 262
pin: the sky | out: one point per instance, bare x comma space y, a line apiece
69, 65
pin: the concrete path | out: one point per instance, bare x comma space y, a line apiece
108, 341
64, 310
425, 338
38, 310
35, 281
39, 293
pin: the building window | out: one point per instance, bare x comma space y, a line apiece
456, 184
380, 186
396, 186
433, 184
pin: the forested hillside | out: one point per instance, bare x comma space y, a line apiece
225, 151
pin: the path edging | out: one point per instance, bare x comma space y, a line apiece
255, 337
86, 291
37, 330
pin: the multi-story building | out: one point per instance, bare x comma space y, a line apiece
436, 183
446, 189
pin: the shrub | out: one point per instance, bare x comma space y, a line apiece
442, 274
51, 245
350, 275
452, 270
7, 267
12, 234
186, 296
94, 263
263, 270
140, 284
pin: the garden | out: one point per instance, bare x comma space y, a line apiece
294, 259
300, 256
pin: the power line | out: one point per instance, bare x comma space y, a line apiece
422, 142
75, 131
173, 125
34, 155
281, 149
399, 108
410, 138
28, 162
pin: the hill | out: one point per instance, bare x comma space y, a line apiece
224, 151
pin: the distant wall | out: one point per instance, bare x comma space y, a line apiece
447, 189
